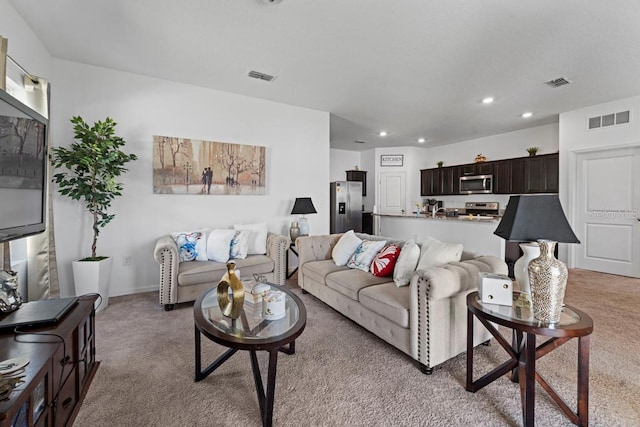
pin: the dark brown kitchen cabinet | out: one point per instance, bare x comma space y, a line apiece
440, 181
541, 173
508, 176
361, 176
430, 182
449, 181
482, 168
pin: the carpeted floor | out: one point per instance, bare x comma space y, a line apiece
342, 375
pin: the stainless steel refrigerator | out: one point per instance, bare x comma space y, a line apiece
346, 206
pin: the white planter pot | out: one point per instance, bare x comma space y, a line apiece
93, 277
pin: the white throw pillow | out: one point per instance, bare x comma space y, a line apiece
192, 245
434, 253
365, 253
239, 245
257, 238
218, 245
345, 247
406, 264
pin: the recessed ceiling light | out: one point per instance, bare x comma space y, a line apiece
526, 115
487, 100
383, 133
421, 140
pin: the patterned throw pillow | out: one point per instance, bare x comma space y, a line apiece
385, 261
192, 245
363, 256
239, 245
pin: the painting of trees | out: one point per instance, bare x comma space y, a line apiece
219, 167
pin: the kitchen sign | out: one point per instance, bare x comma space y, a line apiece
391, 159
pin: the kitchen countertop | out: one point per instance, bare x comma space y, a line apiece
460, 218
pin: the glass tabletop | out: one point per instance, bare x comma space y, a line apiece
251, 324
522, 312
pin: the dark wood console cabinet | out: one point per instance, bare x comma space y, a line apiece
58, 374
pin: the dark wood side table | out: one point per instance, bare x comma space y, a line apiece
524, 353
292, 248
249, 332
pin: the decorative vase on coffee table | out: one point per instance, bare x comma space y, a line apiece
230, 303
530, 251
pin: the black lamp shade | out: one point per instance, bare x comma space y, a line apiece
535, 217
303, 206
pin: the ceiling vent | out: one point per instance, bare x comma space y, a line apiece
357, 141
260, 76
609, 120
560, 81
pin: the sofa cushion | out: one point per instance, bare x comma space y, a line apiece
192, 245
385, 261
345, 247
194, 273
218, 244
349, 282
406, 264
257, 238
434, 253
318, 270
365, 253
389, 301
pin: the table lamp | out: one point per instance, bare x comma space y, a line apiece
303, 206
539, 217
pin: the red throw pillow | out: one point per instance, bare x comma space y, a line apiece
385, 261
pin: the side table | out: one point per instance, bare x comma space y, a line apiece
524, 353
292, 248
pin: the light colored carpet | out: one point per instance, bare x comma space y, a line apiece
342, 375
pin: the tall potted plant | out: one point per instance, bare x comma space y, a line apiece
88, 172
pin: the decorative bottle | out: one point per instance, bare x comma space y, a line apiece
548, 281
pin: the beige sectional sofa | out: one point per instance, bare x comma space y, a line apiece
184, 281
427, 320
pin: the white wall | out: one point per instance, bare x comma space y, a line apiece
575, 137
368, 163
144, 107
340, 162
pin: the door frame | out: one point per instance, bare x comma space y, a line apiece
572, 187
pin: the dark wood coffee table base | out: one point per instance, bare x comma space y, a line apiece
265, 397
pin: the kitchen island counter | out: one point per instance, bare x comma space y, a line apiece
475, 233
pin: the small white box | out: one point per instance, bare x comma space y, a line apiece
495, 289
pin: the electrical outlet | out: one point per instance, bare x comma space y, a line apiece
126, 261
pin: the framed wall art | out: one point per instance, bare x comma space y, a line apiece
391, 159
191, 166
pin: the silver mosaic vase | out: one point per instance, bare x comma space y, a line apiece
548, 281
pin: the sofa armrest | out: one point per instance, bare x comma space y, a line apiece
166, 254
277, 246
314, 248
438, 307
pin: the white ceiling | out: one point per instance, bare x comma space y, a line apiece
414, 68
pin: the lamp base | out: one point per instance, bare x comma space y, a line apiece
521, 267
304, 226
548, 281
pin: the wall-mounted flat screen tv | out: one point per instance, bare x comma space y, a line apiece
23, 169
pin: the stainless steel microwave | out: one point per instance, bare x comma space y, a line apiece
477, 184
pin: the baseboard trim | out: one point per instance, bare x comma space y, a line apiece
149, 288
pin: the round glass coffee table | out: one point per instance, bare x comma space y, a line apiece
251, 332
523, 351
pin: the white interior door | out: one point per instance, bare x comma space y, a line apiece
607, 211
392, 196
